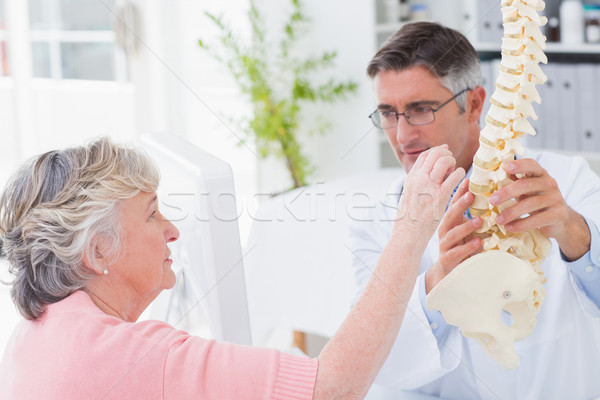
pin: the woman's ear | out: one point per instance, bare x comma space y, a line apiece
476, 100
93, 257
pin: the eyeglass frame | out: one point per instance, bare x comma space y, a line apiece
433, 111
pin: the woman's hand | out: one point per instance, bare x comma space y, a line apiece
372, 325
427, 190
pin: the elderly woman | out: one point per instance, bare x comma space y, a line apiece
88, 247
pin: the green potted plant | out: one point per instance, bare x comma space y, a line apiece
277, 83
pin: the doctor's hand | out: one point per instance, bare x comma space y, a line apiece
540, 204
456, 237
426, 191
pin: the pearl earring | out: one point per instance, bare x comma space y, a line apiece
105, 271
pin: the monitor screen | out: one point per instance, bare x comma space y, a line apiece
197, 194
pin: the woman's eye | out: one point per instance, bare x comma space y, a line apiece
152, 215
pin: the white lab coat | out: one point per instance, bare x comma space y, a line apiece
559, 360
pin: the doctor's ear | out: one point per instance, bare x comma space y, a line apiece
476, 99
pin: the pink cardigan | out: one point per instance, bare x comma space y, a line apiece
75, 351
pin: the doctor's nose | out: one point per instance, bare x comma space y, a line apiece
404, 131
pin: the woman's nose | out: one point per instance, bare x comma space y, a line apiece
171, 231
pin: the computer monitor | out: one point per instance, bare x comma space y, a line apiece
197, 194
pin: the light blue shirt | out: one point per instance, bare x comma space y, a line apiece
585, 270
559, 359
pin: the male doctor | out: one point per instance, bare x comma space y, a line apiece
427, 86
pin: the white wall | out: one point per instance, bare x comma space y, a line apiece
351, 145
62, 114
192, 96
203, 101
8, 143
37, 115
178, 88
67, 113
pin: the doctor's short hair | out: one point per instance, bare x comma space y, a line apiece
55, 209
445, 52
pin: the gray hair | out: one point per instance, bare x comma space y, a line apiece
56, 208
443, 51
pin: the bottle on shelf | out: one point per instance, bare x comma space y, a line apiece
592, 23
405, 10
571, 22
553, 30
391, 11
419, 12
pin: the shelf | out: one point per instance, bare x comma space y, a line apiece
488, 47
390, 27
552, 48
573, 48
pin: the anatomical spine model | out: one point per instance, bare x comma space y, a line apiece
507, 275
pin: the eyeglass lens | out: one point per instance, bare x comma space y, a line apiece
414, 116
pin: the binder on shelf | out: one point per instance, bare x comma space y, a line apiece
569, 112
489, 24
596, 108
498, 29
588, 78
449, 11
470, 18
550, 110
